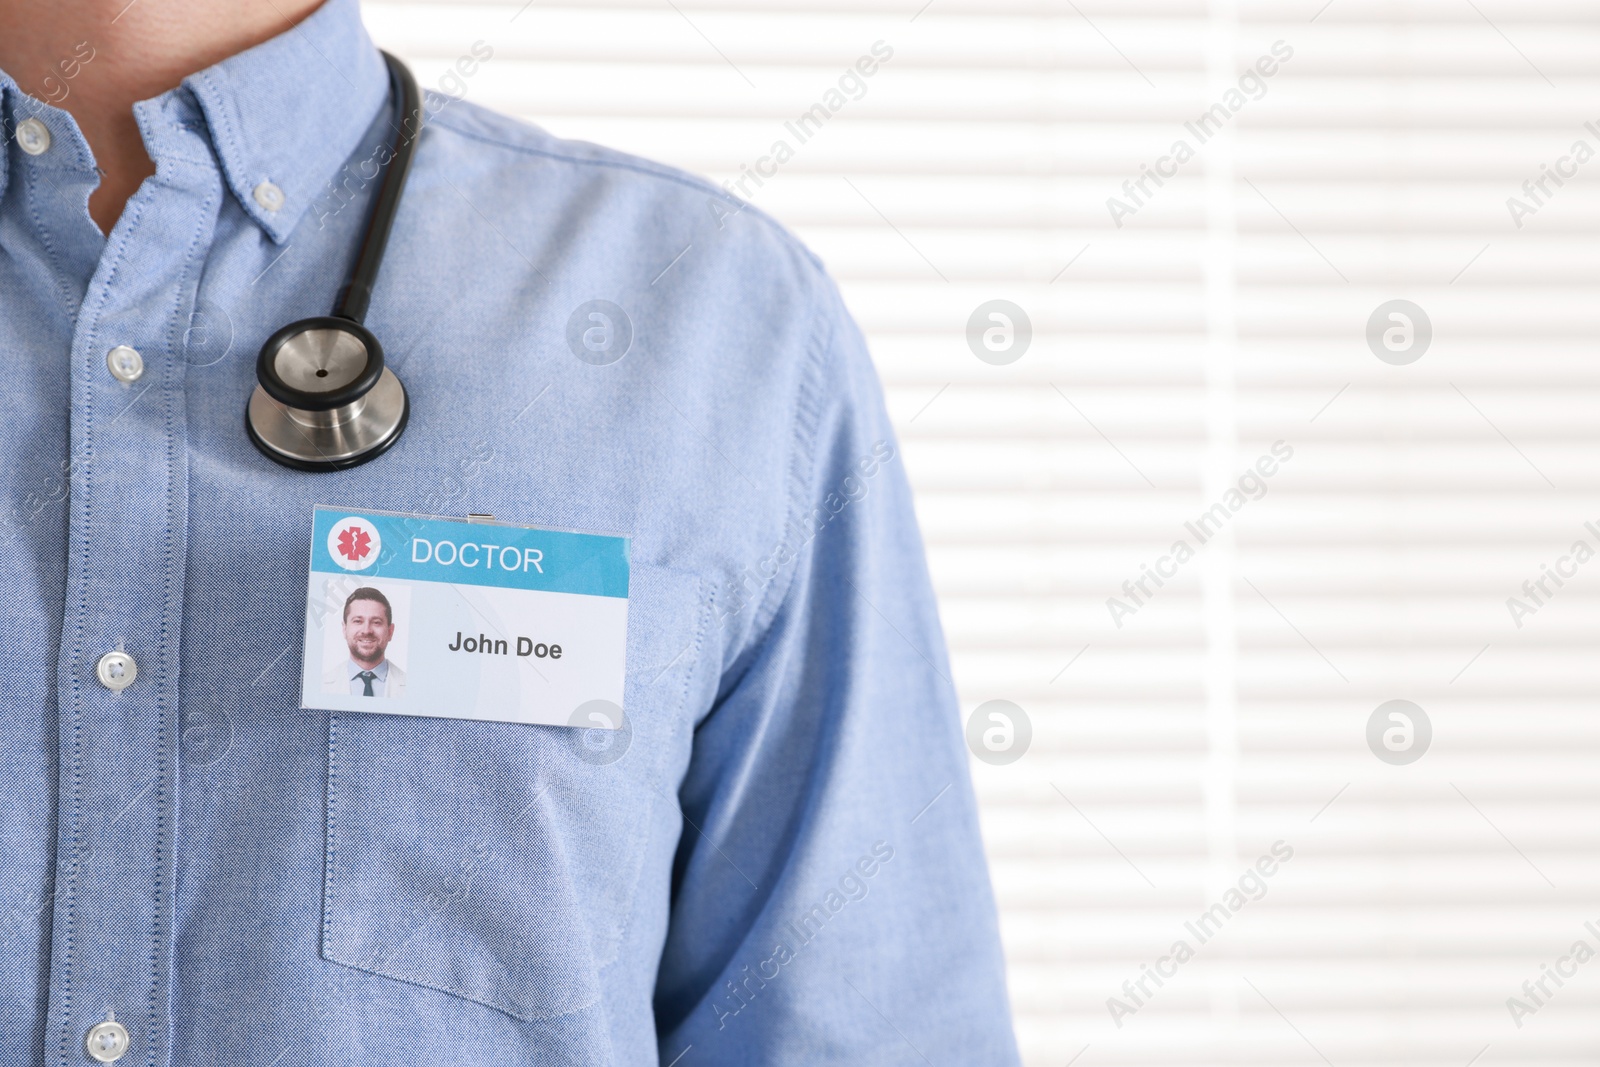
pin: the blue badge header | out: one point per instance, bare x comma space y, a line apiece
376, 544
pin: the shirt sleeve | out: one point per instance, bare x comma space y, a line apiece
831, 904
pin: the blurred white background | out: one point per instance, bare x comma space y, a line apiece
1228, 312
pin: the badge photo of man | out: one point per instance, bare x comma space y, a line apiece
368, 629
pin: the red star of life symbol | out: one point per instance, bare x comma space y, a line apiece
354, 543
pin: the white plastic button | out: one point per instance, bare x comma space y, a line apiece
125, 363
106, 1042
116, 671
33, 136
269, 196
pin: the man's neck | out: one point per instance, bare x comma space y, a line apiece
139, 50
367, 666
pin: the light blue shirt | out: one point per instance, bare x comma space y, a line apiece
358, 684
776, 862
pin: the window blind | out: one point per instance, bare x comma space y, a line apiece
1215, 361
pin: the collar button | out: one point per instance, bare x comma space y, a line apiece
33, 136
268, 196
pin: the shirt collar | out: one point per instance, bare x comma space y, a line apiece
381, 670
289, 111
292, 109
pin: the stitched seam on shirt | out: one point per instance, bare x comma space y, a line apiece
69, 169
59, 273
170, 634
162, 754
707, 596
809, 404
6, 134
224, 118
330, 854
649, 172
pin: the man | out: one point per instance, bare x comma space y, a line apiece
778, 863
368, 629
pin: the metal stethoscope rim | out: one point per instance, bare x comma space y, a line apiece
324, 401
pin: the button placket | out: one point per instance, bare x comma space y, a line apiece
112, 930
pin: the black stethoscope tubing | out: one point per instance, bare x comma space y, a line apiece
358, 292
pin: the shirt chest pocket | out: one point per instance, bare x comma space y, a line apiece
495, 861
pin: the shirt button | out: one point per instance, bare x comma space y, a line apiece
269, 196
125, 363
107, 1041
116, 671
33, 136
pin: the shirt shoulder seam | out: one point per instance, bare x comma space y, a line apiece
809, 404
643, 167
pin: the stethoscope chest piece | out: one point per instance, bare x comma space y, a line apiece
325, 401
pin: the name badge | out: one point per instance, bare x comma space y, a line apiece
466, 620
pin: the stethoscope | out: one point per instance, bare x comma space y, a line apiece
325, 401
